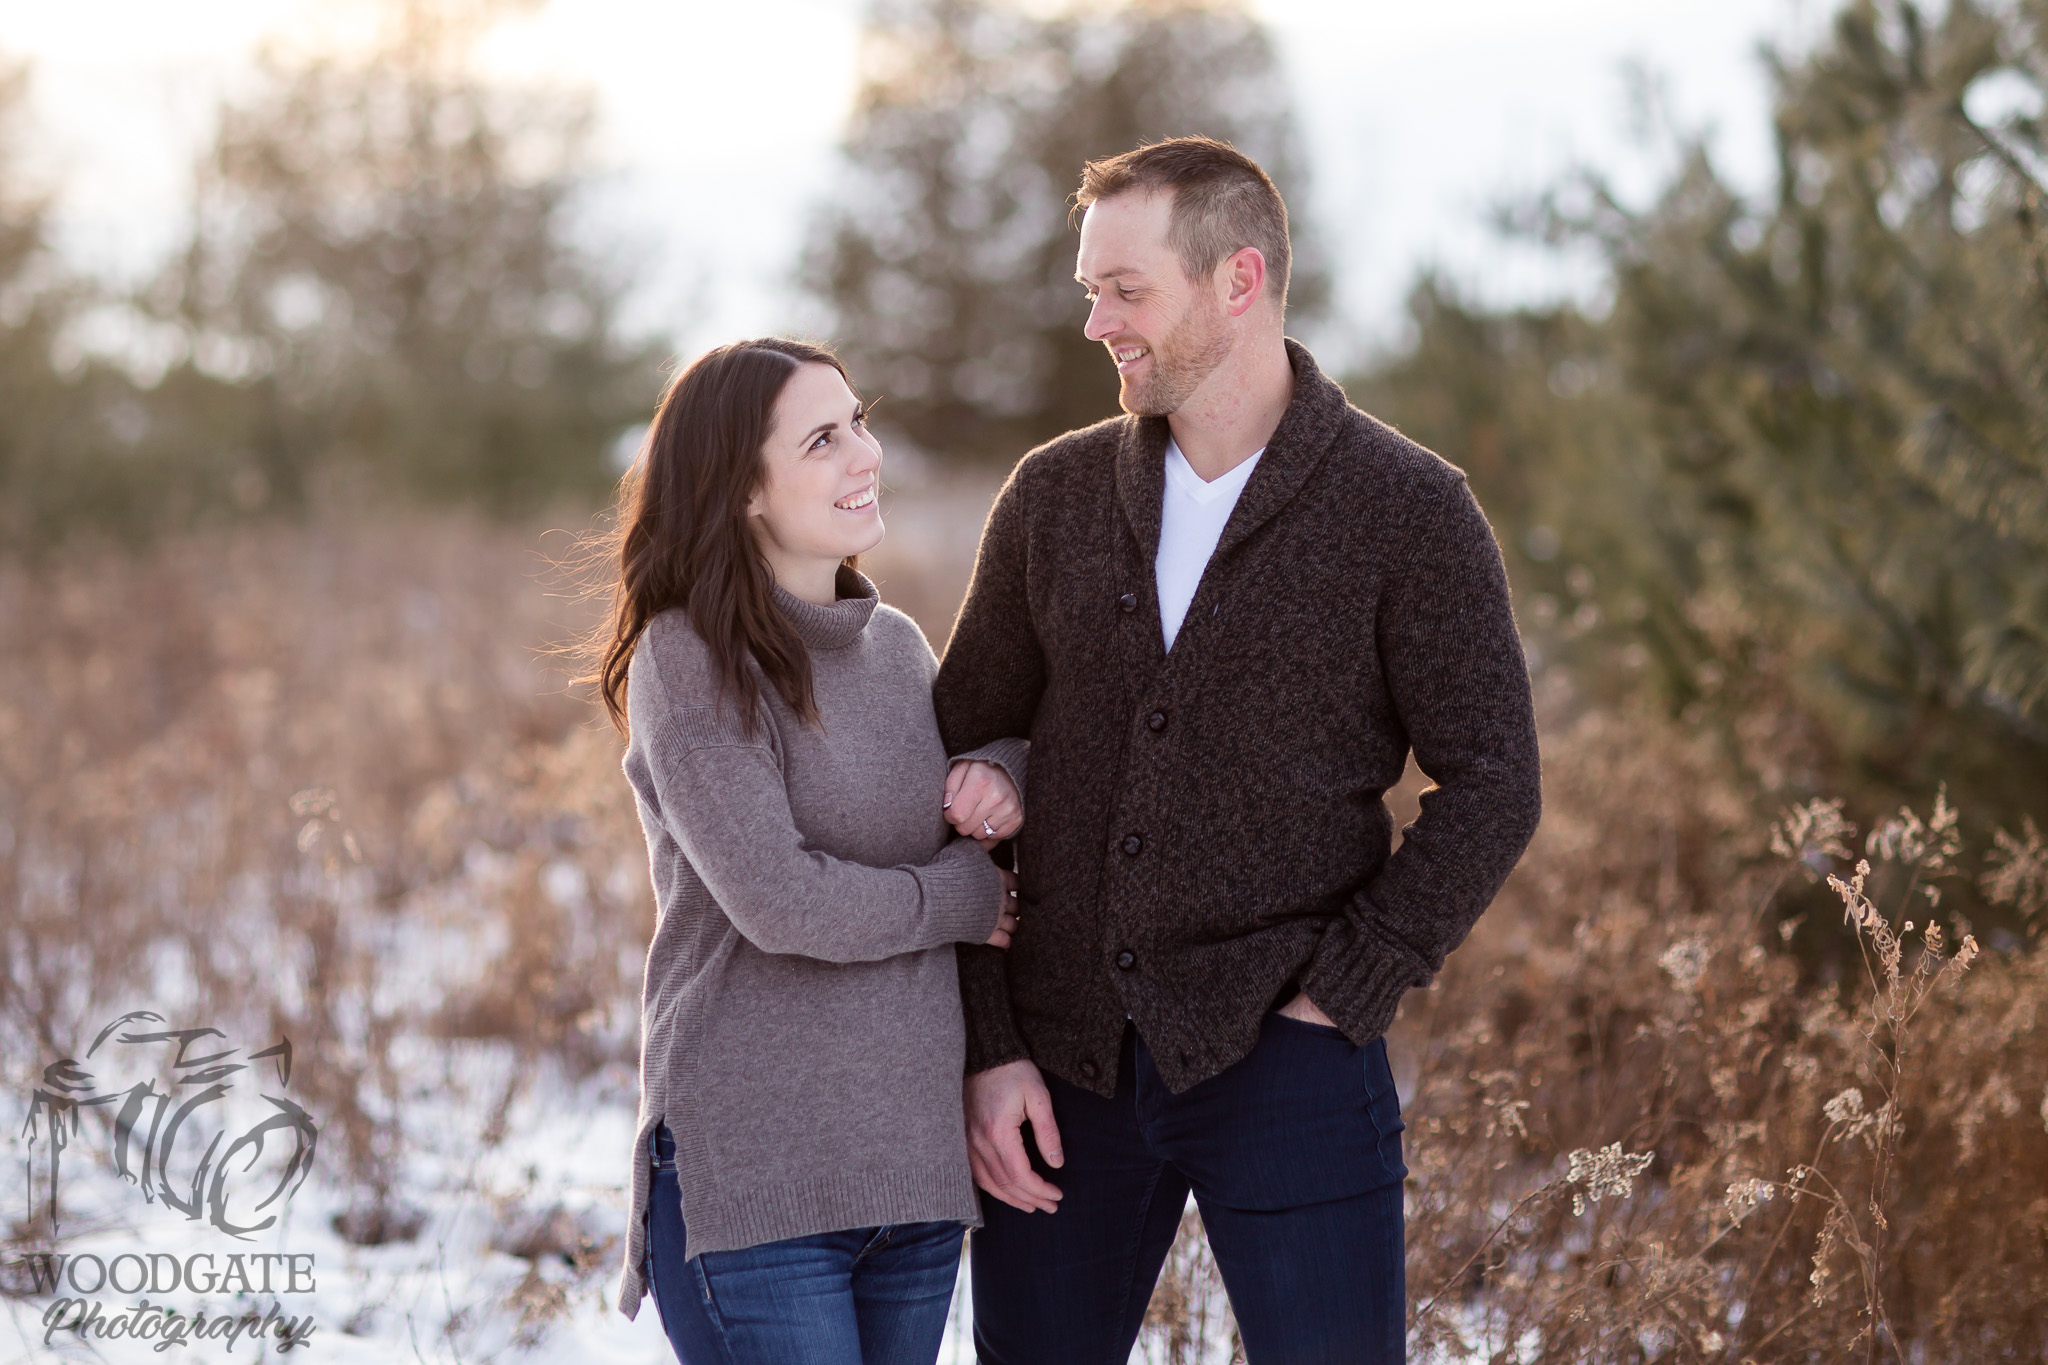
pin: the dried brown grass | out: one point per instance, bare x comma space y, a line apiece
1643, 1130
322, 780
311, 780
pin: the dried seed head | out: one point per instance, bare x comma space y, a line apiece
1607, 1172
1846, 1107
1744, 1195
1686, 961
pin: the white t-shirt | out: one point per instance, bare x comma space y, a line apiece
1190, 523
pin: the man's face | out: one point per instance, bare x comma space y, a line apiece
1165, 333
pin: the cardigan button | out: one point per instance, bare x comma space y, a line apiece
1133, 845
1129, 601
1089, 1069
1126, 960
1156, 721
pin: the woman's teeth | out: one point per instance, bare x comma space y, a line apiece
857, 501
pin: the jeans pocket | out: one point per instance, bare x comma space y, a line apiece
662, 1147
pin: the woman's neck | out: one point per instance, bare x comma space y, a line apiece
810, 580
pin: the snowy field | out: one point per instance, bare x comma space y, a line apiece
513, 1259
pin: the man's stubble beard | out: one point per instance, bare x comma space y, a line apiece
1181, 360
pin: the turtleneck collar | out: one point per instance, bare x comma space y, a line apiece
837, 625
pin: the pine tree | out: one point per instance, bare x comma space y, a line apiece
384, 276
1802, 464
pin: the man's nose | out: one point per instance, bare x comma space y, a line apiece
1100, 325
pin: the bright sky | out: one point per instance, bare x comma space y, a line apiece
719, 119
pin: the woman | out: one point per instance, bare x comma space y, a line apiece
800, 1184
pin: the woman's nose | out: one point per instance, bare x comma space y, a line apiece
868, 456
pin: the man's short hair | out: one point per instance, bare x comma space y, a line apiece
1222, 202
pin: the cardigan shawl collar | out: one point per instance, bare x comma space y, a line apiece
1297, 446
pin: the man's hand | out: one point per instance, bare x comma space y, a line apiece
982, 803
1304, 1009
999, 1102
1006, 918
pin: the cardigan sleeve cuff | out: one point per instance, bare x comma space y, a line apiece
963, 893
992, 1036
1008, 754
1358, 977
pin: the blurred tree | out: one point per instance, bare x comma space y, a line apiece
1803, 461
385, 275
26, 323
65, 428
945, 254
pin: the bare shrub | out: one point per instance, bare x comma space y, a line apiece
1795, 1168
314, 781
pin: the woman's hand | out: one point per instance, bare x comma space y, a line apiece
1006, 919
982, 803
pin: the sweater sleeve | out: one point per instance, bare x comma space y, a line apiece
987, 691
1460, 684
723, 799
1011, 755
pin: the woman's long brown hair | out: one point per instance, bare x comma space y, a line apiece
681, 537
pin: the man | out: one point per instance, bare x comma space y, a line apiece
1223, 620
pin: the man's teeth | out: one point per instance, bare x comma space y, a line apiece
857, 501
1130, 355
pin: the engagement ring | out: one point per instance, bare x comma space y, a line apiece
986, 830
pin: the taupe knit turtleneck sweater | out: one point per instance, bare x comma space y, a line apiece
800, 1019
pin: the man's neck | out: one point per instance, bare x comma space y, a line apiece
1232, 416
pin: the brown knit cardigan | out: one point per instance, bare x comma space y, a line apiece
1205, 830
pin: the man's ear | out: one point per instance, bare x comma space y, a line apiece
1243, 280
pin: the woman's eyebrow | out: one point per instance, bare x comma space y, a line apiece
811, 435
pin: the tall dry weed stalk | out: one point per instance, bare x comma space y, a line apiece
321, 781
1643, 1130
316, 781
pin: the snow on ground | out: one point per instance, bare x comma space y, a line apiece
455, 1291
512, 1257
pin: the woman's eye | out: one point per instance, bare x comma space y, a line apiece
860, 418
824, 439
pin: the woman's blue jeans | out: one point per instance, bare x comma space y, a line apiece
867, 1296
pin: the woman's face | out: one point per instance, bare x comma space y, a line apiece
821, 474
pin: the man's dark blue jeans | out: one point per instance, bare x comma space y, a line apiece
867, 1296
1294, 1158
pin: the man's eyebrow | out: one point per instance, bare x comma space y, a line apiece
1108, 275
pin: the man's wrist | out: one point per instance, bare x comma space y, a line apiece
1306, 1011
